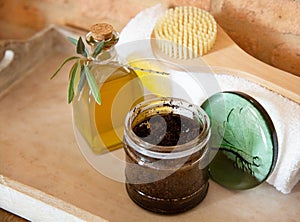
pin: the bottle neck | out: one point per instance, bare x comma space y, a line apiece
107, 56
108, 52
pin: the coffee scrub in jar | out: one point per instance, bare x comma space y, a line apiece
167, 155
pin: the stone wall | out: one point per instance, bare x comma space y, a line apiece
267, 29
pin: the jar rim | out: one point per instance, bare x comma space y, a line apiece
171, 152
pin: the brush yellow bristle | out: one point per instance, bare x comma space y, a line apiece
185, 32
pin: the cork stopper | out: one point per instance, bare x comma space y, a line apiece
102, 31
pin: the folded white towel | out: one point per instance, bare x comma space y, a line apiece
284, 113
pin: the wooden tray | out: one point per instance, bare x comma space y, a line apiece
44, 176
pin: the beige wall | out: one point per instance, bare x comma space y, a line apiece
267, 29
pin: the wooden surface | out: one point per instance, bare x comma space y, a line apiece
6, 216
43, 174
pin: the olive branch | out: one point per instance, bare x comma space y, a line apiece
81, 68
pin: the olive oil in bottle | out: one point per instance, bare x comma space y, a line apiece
101, 125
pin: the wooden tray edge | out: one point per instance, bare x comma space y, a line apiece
36, 205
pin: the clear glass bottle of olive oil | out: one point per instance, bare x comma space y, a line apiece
120, 88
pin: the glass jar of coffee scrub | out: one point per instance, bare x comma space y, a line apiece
167, 156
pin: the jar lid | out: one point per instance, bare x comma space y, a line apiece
244, 146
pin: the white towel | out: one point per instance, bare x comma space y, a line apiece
284, 113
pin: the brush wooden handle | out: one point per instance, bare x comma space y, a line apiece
226, 55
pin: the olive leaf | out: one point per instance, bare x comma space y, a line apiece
80, 48
72, 40
73, 72
93, 84
64, 62
98, 49
81, 80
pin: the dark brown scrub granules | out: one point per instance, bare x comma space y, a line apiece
167, 129
166, 185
